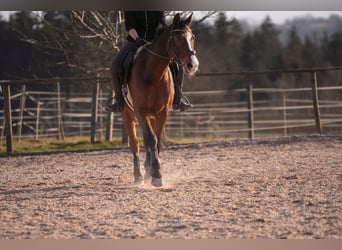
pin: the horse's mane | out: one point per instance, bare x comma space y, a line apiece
160, 30
162, 27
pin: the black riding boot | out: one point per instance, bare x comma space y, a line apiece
118, 104
119, 100
180, 102
121, 64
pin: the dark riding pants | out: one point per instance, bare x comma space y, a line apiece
118, 65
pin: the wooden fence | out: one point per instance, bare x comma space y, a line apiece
239, 115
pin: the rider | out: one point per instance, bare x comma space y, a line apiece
141, 27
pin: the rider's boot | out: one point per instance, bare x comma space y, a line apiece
118, 104
180, 102
119, 101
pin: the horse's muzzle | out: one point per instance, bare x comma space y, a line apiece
192, 66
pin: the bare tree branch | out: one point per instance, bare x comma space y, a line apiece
98, 25
207, 15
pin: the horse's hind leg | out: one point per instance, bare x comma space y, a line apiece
130, 127
147, 165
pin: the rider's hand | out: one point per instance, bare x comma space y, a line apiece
140, 42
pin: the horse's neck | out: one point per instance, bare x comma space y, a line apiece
156, 65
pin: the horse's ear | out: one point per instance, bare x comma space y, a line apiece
189, 20
176, 19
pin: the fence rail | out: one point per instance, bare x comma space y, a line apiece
240, 114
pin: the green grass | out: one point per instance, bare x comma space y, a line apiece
54, 145
43, 145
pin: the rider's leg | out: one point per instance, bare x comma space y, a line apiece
118, 75
180, 102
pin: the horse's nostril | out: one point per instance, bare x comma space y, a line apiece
189, 65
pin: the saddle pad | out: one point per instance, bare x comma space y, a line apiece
125, 89
127, 96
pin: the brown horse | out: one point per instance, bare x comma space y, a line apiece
152, 90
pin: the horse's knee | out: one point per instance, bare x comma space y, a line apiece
134, 145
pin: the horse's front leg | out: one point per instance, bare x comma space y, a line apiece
153, 155
150, 157
130, 127
152, 164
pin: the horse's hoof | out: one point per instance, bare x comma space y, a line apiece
157, 182
147, 176
138, 181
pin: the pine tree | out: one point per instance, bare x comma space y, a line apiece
293, 54
311, 53
20, 55
334, 49
248, 56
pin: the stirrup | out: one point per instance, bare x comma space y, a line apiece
113, 107
183, 105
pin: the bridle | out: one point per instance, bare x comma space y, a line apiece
178, 57
171, 44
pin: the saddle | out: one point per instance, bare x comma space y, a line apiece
125, 66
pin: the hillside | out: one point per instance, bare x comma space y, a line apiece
311, 27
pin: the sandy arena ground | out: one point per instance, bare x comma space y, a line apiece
281, 188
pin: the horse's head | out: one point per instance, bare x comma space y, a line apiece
181, 44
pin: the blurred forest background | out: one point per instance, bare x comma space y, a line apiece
75, 43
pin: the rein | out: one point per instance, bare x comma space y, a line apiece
156, 54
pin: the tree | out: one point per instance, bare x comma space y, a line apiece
248, 56
293, 51
334, 49
72, 42
17, 55
311, 53
227, 39
262, 50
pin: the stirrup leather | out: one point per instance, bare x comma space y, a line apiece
127, 96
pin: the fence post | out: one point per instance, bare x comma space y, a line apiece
110, 118
21, 111
59, 113
316, 102
284, 114
8, 117
94, 111
100, 113
250, 112
37, 118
